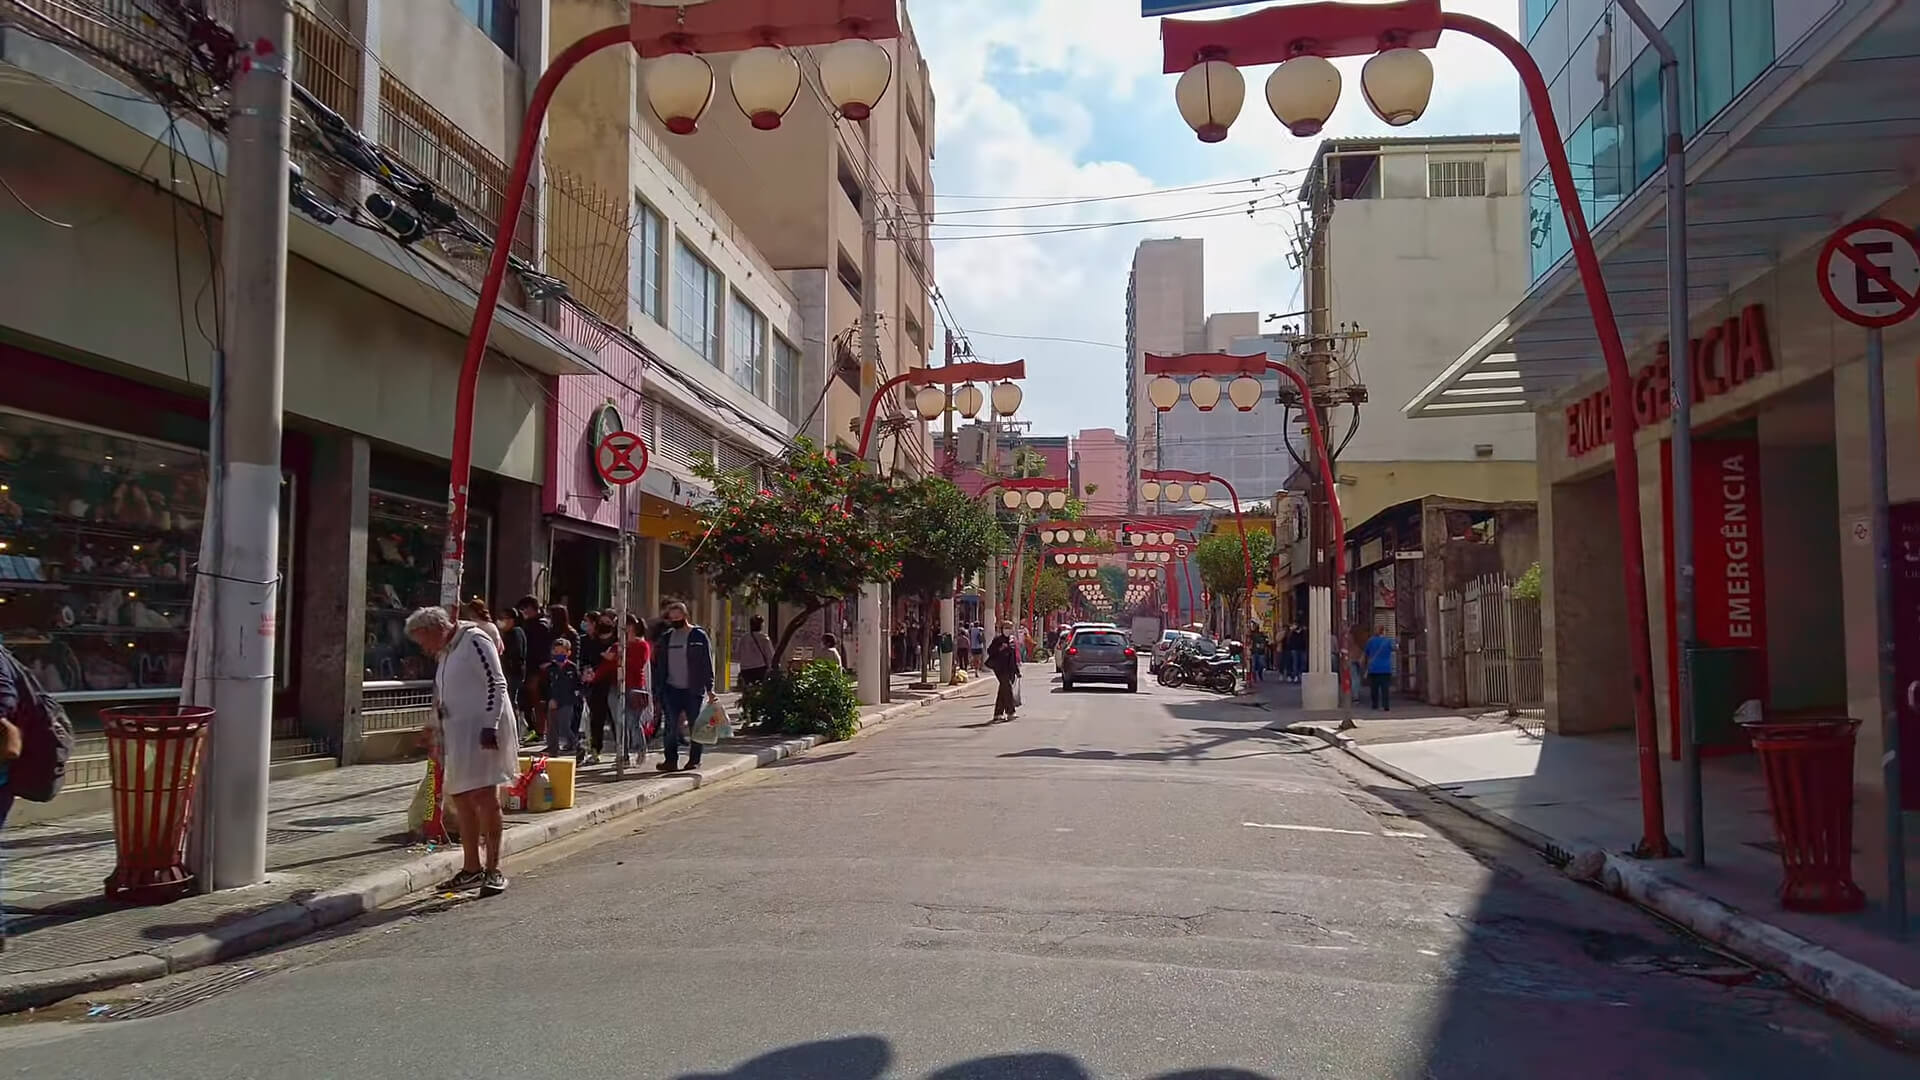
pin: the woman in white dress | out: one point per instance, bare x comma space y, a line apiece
477, 735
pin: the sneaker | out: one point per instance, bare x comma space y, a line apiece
464, 880
669, 766
493, 883
593, 759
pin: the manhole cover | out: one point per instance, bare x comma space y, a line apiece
192, 992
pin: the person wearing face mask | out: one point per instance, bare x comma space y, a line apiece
563, 700
682, 682
600, 658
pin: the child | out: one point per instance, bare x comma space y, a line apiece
563, 700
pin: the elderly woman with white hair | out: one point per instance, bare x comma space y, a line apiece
476, 734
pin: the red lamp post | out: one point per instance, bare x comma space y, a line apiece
855, 71
1032, 492
1152, 480
1397, 80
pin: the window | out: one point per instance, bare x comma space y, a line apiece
1457, 179
786, 379
1712, 56
850, 184
747, 345
849, 274
1537, 13
649, 261
495, 18
696, 303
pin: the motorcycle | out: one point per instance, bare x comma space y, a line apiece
1221, 674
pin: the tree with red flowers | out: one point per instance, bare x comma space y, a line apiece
804, 532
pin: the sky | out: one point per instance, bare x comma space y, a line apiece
1037, 101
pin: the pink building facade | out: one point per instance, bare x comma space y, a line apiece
1101, 457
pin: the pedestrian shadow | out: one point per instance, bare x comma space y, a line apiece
1197, 745
869, 1057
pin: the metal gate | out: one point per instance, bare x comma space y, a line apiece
1490, 648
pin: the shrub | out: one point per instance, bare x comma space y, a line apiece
818, 699
1527, 587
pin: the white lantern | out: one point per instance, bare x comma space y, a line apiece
1036, 499
1205, 392
1006, 398
1244, 392
930, 402
1150, 490
1079, 536
1209, 95
1302, 93
679, 88
855, 73
1397, 83
1164, 392
1137, 539
1011, 500
1057, 500
1166, 538
1197, 493
967, 400
1161, 556
765, 81
1059, 559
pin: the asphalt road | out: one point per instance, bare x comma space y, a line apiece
1113, 886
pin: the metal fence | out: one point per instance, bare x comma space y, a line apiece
395, 705
1490, 648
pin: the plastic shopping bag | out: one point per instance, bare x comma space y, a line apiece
1016, 691
711, 725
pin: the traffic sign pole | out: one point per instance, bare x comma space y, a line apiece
1869, 274
620, 459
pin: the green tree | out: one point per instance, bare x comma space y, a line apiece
1222, 563
813, 534
1113, 581
943, 536
1050, 591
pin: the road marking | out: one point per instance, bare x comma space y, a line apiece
1395, 833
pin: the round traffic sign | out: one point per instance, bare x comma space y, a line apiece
1179, 551
1869, 272
620, 458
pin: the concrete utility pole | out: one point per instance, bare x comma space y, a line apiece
949, 616
870, 667
237, 601
1320, 689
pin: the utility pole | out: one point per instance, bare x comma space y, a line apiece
1326, 637
949, 615
238, 587
869, 639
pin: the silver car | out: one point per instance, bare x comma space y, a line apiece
1100, 655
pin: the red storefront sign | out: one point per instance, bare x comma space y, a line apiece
1730, 583
1904, 523
1719, 360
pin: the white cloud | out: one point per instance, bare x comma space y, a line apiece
1040, 100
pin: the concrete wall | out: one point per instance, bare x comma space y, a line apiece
1167, 314
354, 361
1425, 277
442, 56
1367, 487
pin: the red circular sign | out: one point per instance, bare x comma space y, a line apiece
620, 458
1869, 273
1179, 551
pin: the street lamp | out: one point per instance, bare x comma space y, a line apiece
765, 82
1397, 81
937, 379
1197, 491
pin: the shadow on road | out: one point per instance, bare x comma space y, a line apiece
868, 1057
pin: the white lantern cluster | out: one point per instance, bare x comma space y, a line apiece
1243, 392
1061, 536
765, 81
1034, 500
931, 401
1302, 92
1153, 489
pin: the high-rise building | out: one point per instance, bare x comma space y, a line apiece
1100, 458
1214, 441
1166, 292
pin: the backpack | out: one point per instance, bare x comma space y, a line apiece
46, 738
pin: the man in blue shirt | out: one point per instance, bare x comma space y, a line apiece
1379, 660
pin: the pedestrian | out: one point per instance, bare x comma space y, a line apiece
979, 642
1296, 652
756, 653
682, 684
1003, 659
963, 647
600, 660
639, 655
563, 683
539, 634
513, 658
831, 646
1379, 661
476, 735
1022, 641
564, 630
481, 618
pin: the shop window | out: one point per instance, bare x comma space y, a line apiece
99, 540
696, 303
650, 261
406, 539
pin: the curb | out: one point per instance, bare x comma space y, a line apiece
1871, 997
292, 919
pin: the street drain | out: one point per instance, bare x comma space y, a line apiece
192, 992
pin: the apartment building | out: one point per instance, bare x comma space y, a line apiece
1100, 466
1166, 296
1799, 116
797, 193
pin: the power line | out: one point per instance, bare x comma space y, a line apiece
1209, 187
1197, 216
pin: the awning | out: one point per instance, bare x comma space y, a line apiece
1827, 133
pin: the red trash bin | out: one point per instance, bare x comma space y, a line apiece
1809, 770
153, 755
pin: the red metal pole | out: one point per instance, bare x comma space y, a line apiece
873, 410
516, 195
1246, 557
1626, 461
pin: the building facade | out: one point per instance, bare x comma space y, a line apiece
1799, 117
1100, 464
1166, 293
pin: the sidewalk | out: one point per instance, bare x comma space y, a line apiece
1568, 796
337, 846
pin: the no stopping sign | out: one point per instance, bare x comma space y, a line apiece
1869, 273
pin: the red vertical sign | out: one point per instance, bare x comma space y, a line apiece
1904, 522
1729, 560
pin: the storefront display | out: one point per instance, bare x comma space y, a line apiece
99, 536
406, 539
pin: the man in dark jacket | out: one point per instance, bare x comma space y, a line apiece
682, 682
1003, 659
539, 645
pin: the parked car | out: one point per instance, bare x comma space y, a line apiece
1066, 640
1164, 647
1100, 655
